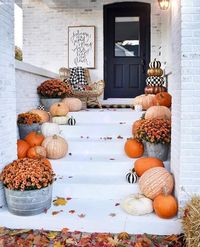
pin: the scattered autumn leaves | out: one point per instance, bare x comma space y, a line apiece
65, 238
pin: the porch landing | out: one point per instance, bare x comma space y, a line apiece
92, 177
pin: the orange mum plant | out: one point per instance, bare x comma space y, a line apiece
28, 118
27, 174
154, 131
54, 89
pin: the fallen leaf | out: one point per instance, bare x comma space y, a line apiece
60, 201
72, 211
58, 244
112, 214
68, 198
70, 153
57, 212
52, 235
70, 241
70, 177
117, 204
65, 230
120, 137
122, 123
81, 215
112, 159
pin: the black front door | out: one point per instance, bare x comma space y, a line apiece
126, 48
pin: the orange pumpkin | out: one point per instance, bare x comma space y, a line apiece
165, 206
133, 148
143, 164
36, 152
22, 148
34, 139
145, 100
163, 99
153, 181
161, 112
136, 125
43, 115
59, 109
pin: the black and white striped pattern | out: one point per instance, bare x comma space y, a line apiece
155, 64
77, 79
132, 177
72, 121
154, 81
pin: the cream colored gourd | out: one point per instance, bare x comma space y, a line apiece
145, 100
137, 204
153, 181
161, 112
60, 120
50, 129
74, 104
59, 109
56, 147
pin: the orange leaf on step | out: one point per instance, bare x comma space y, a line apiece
60, 201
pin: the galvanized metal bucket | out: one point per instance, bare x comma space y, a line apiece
27, 203
159, 150
24, 129
2, 195
47, 102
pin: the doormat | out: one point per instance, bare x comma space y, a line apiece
65, 238
111, 106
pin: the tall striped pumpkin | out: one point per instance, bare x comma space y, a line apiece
154, 181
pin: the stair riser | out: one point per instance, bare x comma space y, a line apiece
105, 117
109, 148
96, 191
96, 131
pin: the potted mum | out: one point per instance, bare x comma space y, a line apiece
28, 186
52, 91
156, 133
28, 122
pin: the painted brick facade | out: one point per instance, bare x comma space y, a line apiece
46, 34
7, 84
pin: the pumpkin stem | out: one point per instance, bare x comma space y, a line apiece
55, 136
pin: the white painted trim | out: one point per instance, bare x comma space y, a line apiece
34, 70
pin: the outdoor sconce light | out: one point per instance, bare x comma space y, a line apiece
164, 4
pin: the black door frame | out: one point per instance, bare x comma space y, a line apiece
106, 9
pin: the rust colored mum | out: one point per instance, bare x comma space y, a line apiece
54, 89
154, 131
27, 174
28, 118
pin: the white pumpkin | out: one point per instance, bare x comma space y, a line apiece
74, 104
60, 120
56, 147
137, 204
50, 129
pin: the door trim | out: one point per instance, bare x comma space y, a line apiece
107, 27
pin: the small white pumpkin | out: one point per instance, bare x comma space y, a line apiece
60, 120
137, 204
50, 129
56, 147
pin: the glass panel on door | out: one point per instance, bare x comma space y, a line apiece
127, 36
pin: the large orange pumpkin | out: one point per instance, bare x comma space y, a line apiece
36, 152
133, 148
22, 148
143, 164
153, 181
59, 109
161, 112
165, 206
163, 99
34, 139
43, 115
136, 125
145, 100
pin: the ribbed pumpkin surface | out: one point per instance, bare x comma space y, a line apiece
153, 181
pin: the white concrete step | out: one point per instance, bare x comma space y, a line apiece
103, 130
108, 116
92, 215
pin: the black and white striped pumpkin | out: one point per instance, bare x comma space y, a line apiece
132, 177
155, 64
72, 121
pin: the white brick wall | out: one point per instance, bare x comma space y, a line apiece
28, 78
46, 34
7, 84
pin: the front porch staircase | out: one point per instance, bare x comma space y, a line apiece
92, 177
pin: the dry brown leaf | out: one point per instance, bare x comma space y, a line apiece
57, 212
81, 215
60, 201
72, 211
112, 214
